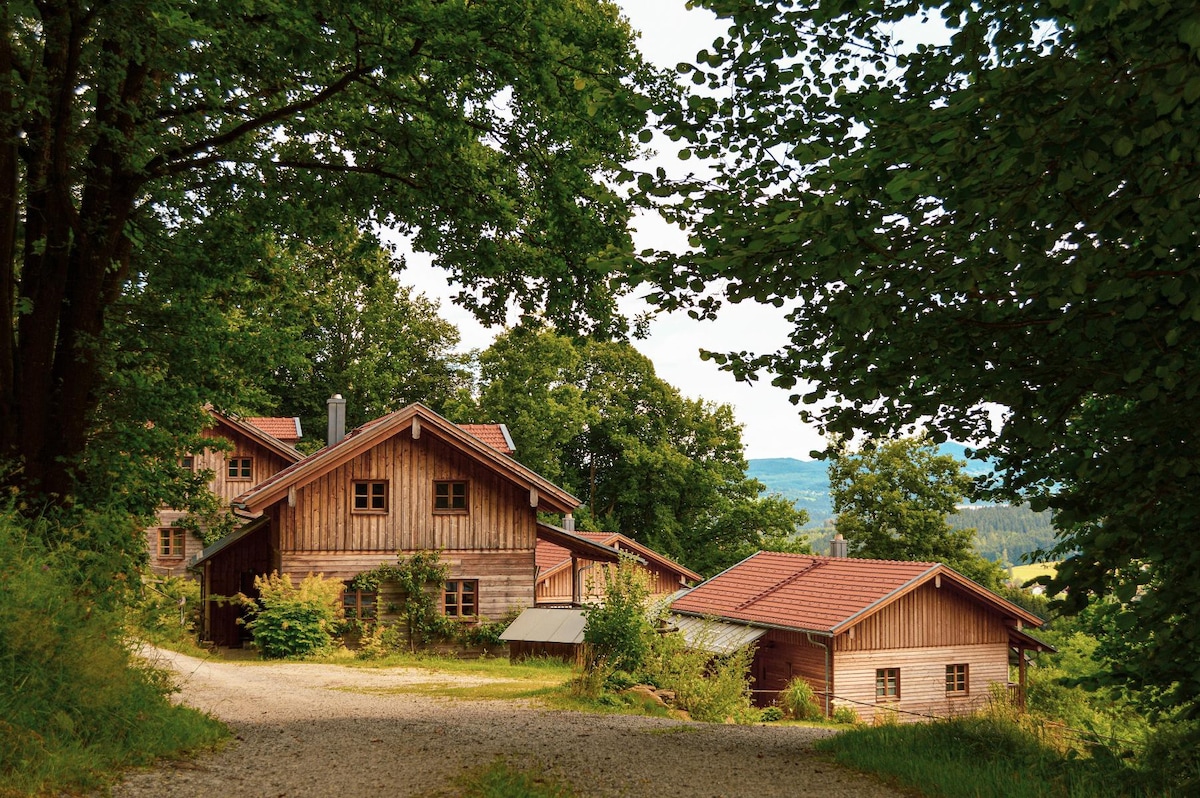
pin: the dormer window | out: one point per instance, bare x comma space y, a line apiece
370, 496
450, 496
240, 468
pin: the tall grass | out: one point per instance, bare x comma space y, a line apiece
75, 705
996, 756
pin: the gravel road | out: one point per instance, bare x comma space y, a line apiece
320, 730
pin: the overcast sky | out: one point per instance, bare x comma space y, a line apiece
670, 34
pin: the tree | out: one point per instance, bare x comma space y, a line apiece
487, 131
1006, 214
664, 470
892, 500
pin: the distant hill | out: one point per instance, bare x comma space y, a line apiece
1004, 533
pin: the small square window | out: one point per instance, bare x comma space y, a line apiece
957, 680
240, 468
187, 463
460, 598
370, 496
170, 542
450, 496
887, 684
360, 605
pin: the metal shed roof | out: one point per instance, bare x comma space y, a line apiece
547, 625
715, 637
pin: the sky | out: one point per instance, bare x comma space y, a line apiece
771, 427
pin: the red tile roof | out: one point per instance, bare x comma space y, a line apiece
285, 429
802, 591
494, 435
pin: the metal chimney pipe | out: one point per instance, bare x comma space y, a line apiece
837, 546
337, 419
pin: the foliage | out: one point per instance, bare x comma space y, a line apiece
492, 135
993, 210
166, 611
617, 633
771, 714
1004, 533
417, 576
892, 499
799, 701
845, 715
75, 706
664, 470
711, 689
293, 620
502, 779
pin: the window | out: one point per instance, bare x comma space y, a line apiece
170, 542
187, 463
360, 605
461, 598
957, 681
887, 684
370, 497
239, 468
450, 497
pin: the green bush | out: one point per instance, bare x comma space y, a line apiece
293, 620
771, 714
799, 701
846, 715
166, 611
617, 631
75, 705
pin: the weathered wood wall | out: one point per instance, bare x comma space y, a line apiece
928, 616
232, 572
922, 679
556, 588
323, 519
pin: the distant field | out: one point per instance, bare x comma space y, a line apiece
1023, 573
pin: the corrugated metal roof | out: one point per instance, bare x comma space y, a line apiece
715, 637
547, 625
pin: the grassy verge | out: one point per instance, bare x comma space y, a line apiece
989, 757
502, 779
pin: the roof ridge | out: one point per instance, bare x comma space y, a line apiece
782, 583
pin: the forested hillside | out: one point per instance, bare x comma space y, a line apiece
1005, 533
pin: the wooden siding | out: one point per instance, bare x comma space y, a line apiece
928, 616
922, 680
556, 588
498, 518
782, 656
233, 572
505, 577
264, 463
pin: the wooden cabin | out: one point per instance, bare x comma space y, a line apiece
887, 639
255, 454
563, 578
407, 482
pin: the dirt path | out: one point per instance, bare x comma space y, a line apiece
310, 730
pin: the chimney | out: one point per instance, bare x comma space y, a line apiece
569, 522
337, 419
837, 546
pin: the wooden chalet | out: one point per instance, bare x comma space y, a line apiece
407, 482
255, 454
885, 638
565, 578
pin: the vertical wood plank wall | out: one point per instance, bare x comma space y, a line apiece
556, 588
782, 656
928, 616
264, 463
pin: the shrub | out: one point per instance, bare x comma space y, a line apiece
166, 610
617, 630
799, 701
720, 690
847, 715
771, 714
293, 621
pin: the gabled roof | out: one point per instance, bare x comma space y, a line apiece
417, 420
551, 558
582, 543
283, 428
257, 435
824, 594
494, 435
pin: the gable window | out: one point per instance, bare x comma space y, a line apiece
957, 680
170, 542
370, 496
450, 496
360, 605
887, 684
239, 468
460, 598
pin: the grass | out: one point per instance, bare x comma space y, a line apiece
501, 779
984, 757
1023, 573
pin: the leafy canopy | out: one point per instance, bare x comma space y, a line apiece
1005, 212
